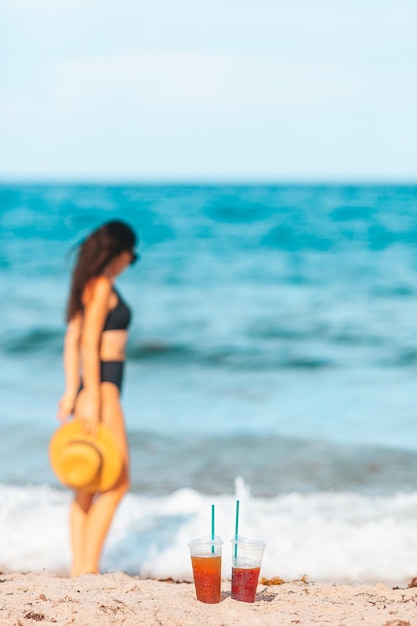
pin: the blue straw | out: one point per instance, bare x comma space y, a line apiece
236, 526
212, 527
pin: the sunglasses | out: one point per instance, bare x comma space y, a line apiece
135, 256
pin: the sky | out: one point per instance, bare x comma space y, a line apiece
208, 90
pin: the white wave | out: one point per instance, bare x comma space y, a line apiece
324, 536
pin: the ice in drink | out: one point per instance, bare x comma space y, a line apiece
207, 578
245, 583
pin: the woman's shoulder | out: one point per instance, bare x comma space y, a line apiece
98, 287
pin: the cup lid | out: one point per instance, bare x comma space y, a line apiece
206, 539
240, 539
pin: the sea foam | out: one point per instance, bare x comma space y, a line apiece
327, 537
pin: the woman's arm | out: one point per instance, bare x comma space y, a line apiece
96, 306
71, 367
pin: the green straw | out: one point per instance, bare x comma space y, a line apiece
212, 527
236, 526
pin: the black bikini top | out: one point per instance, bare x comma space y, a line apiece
118, 318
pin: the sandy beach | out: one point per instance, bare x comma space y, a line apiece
116, 598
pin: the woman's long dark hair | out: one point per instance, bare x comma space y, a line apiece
94, 253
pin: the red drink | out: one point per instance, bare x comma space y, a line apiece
244, 583
207, 578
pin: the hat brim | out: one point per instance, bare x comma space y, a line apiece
103, 440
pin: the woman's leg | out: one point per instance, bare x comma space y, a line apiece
100, 513
99, 520
78, 523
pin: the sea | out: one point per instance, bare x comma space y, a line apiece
272, 360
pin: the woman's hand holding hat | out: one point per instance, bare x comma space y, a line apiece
87, 410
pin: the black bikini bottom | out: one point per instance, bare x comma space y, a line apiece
112, 372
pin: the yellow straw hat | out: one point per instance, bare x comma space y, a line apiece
85, 462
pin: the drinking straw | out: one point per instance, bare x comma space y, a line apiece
236, 526
212, 527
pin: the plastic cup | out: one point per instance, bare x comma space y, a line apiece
206, 559
246, 564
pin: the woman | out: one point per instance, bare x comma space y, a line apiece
94, 354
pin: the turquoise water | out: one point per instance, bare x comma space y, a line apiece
284, 316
